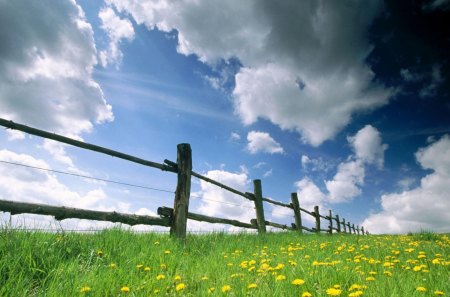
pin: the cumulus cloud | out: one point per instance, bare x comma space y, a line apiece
48, 55
347, 182
224, 204
367, 146
424, 207
303, 61
117, 29
235, 136
262, 142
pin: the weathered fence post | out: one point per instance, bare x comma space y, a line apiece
349, 228
330, 218
297, 213
317, 214
259, 206
343, 224
338, 224
181, 203
362, 230
353, 228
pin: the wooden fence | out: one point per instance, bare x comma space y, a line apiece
176, 217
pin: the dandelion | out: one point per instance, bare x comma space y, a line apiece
100, 253
333, 292
298, 282
306, 294
356, 294
204, 278
180, 287
125, 289
440, 293
147, 268
167, 252
226, 288
139, 266
370, 278
211, 290
280, 278
177, 278
85, 289
421, 289
113, 265
252, 286
160, 277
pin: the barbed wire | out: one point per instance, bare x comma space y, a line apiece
88, 177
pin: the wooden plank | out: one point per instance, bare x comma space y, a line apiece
225, 187
259, 206
276, 202
181, 202
317, 215
168, 212
62, 213
276, 225
297, 213
83, 145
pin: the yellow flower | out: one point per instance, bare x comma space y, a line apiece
440, 293
204, 278
177, 278
356, 294
100, 253
210, 290
180, 287
125, 289
333, 292
370, 278
139, 266
85, 290
160, 276
113, 265
421, 289
298, 282
280, 277
306, 294
147, 268
226, 288
167, 252
252, 286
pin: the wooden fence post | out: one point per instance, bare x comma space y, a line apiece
362, 230
353, 228
338, 224
330, 218
343, 224
317, 214
349, 228
259, 206
181, 203
297, 213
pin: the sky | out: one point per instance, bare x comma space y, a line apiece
345, 103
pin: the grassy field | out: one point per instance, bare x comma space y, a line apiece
121, 263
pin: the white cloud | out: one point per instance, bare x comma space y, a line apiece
309, 195
15, 135
425, 207
48, 55
316, 164
367, 146
262, 142
117, 30
235, 136
406, 183
268, 173
303, 63
346, 184
224, 204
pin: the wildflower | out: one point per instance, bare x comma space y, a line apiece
156, 291
280, 277
211, 290
252, 286
440, 293
125, 289
147, 268
100, 253
85, 290
177, 278
370, 278
113, 265
160, 276
333, 292
163, 266
421, 289
204, 278
356, 294
226, 288
139, 266
306, 294
388, 273
298, 282
355, 287
167, 252
436, 261
180, 287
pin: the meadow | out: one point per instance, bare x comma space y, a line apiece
122, 263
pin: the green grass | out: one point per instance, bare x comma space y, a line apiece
46, 264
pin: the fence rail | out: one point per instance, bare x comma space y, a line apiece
176, 217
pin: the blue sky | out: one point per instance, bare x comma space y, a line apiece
345, 103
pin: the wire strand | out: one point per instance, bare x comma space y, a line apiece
88, 177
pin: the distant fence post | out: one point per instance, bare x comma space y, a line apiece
259, 206
349, 228
330, 218
353, 228
297, 213
343, 225
317, 214
181, 203
338, 224
362, 230
357, 229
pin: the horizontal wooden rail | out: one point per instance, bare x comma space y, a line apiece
61, 213
308, 229
276, 225
311, 213
277, 203
84, 145
167, 212
225, 187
